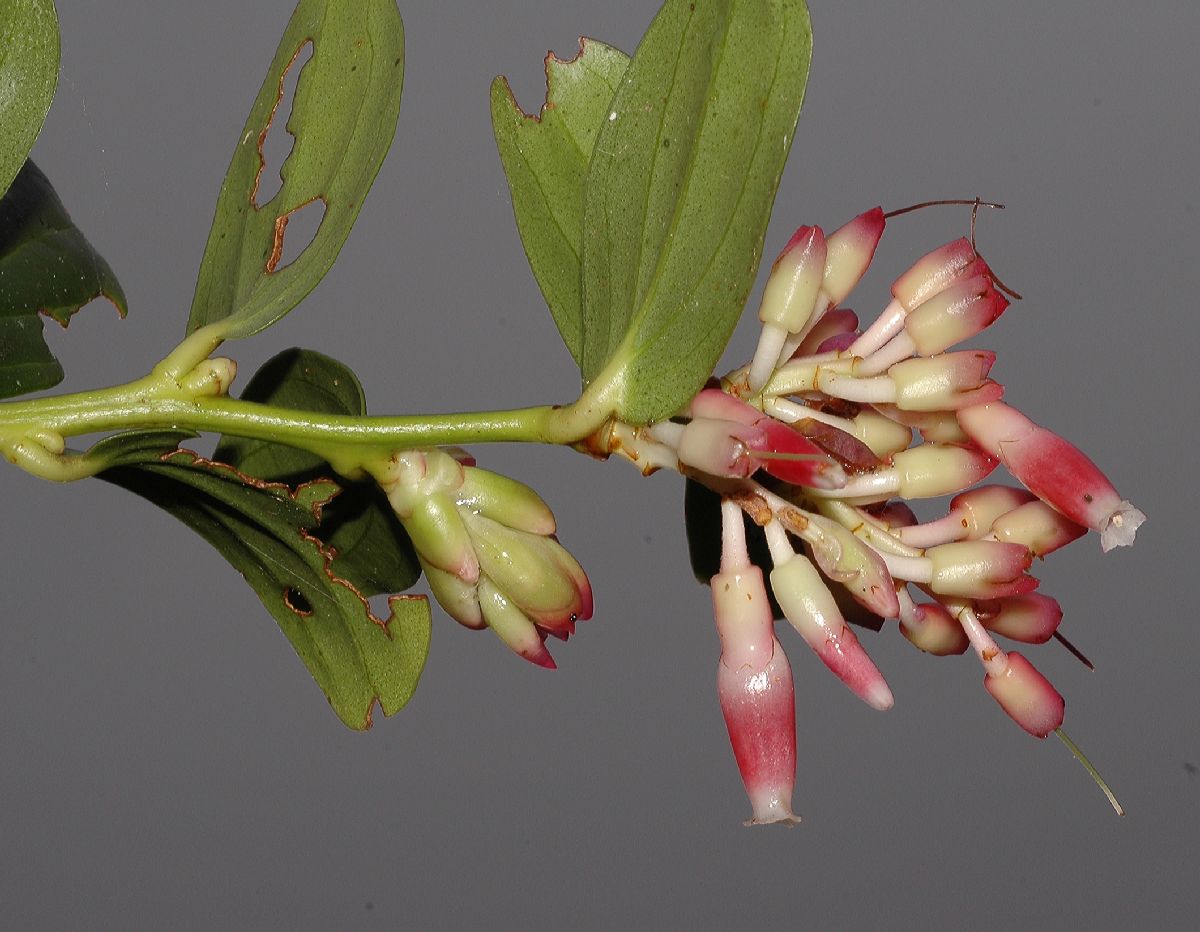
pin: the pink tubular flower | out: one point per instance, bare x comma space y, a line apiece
1027, 696
812, 446
754, 680
1054, 470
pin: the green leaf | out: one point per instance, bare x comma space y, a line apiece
28, 75
680, 191
546, 160
266, 531
47, 267
373, 551
343, 119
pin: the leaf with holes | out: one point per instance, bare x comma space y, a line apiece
679, 193
47, 268
343, 119
267, 532
546, 159
28, 76
373, 552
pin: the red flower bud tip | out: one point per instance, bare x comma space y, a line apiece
970, 517
934, 469
1032, 618
513, 628
834, 323
932, 628
789, 300
1026, 696
980, 569
790, 295
802, 461
760, 713
719, 447
1037, 526
960, 312
1054, 470
944, 382
849, 251
936, 271
810, 608
812, 467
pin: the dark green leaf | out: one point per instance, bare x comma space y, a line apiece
343, 119
546, 160
28, 76
47, 267
680, 191
373, 551
267, 532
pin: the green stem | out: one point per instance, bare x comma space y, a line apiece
166, 400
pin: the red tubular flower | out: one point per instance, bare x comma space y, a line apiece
754, 679
1054, 470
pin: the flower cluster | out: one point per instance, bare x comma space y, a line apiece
822, 438
487, 546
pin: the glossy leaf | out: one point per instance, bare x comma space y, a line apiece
266, 531
47, 269
343, 119
546, 160
373, 552
679, 194
28, 76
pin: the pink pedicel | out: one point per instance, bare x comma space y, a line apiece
1026, 696
849, 251
1054, 470
1031, 618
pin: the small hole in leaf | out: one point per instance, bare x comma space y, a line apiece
276, 142
294, 233
295, 600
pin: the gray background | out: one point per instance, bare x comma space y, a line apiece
167, 762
